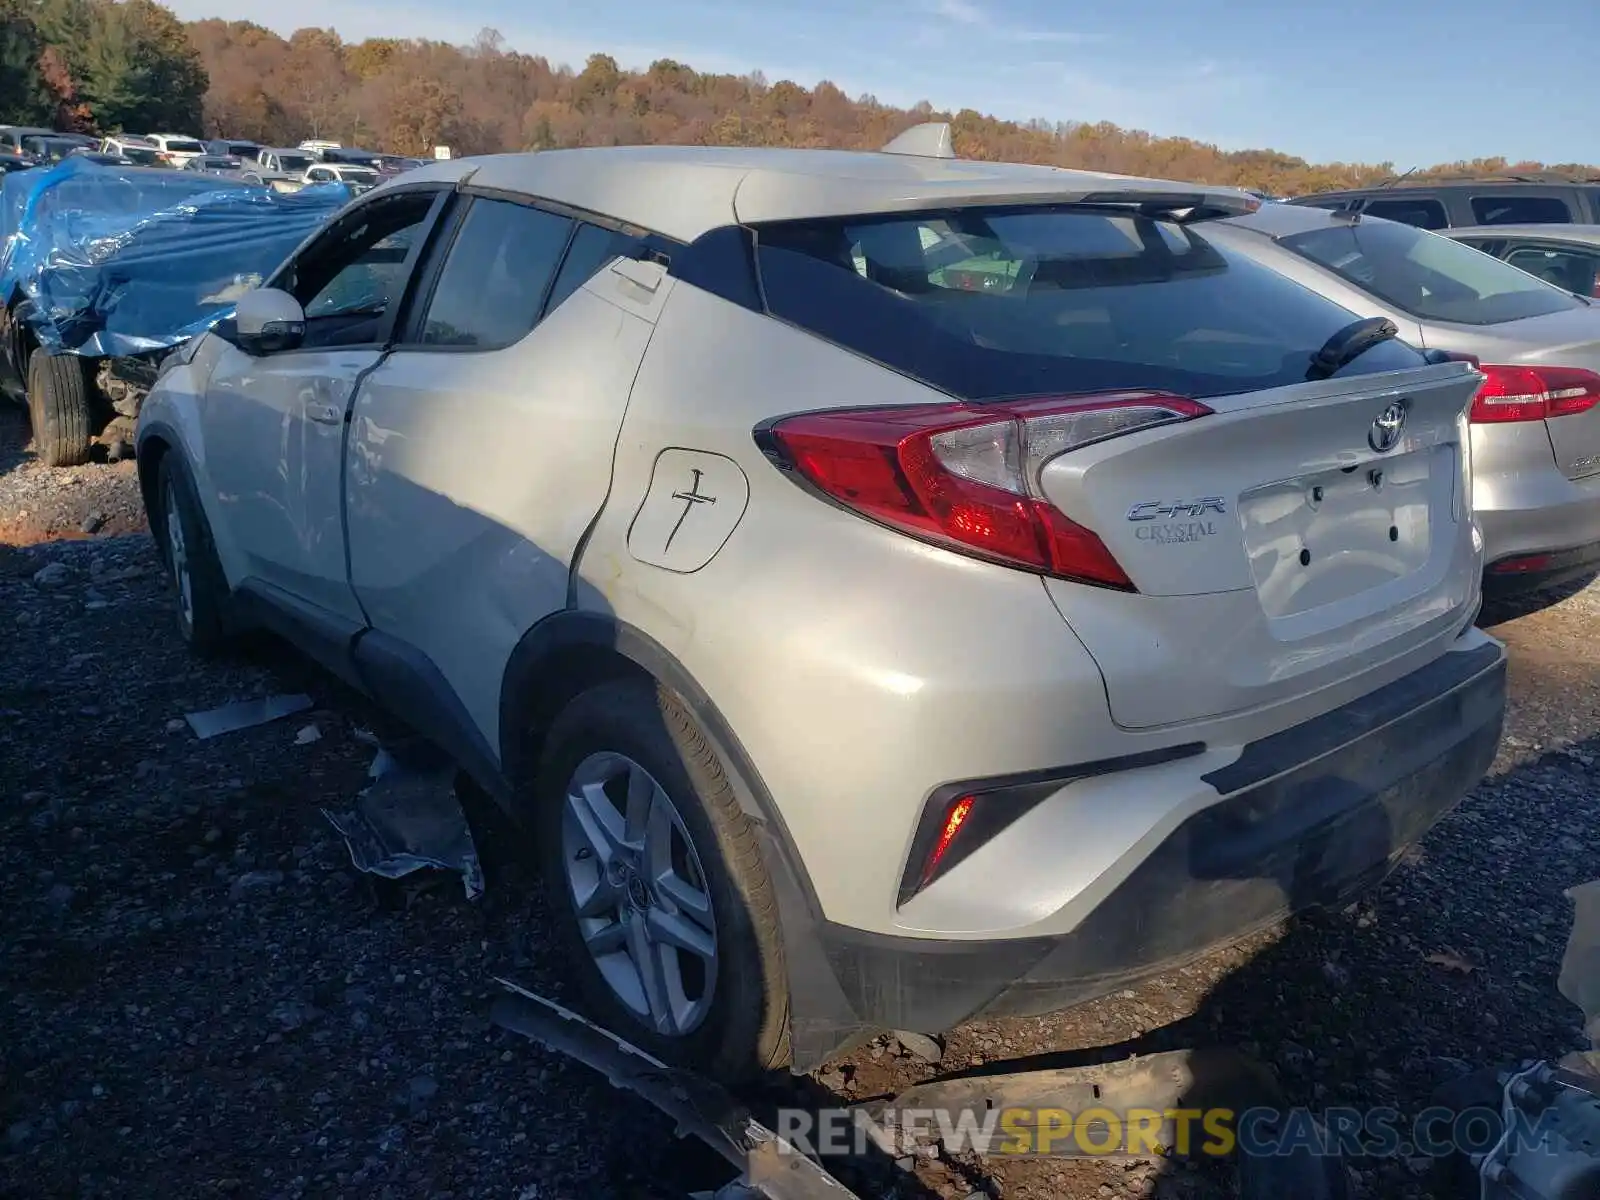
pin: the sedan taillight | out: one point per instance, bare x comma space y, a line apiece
1533, 393
966, 476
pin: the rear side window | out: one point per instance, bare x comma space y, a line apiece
1419, 211
592, 247
1520, 210
1429, 276
1569, 270
494, 278
990, 303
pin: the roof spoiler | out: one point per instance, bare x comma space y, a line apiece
932, 139
1181, 207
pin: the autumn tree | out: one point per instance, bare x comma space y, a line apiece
24, 97
120, 64
407, 96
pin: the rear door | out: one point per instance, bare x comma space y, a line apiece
481, 447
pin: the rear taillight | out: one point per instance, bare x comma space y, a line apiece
966, 476
1533, 393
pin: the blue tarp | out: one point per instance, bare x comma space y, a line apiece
125, 260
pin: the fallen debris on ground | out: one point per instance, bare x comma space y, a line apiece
244, 714
409, 821
769, 1167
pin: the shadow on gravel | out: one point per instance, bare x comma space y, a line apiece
1511, 608
15, 435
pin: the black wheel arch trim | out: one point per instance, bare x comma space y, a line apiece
821, 1019
561, 631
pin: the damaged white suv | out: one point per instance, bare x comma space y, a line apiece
894, 589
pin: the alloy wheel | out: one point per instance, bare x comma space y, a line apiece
639, 893
178, 557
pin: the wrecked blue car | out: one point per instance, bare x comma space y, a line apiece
103, 270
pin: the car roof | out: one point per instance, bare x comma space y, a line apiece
1451, 183
1557, 231
684, 191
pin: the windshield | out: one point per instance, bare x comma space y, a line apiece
985, 303
295, 162
358, 174
139, 154
243, 149
1429, 276
179, 146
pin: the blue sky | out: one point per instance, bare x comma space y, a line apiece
1413, 81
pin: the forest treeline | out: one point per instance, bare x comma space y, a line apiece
104, 65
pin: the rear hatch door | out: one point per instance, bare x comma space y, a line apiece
1289, 541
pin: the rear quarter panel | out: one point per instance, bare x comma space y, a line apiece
858, 668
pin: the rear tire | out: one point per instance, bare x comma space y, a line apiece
694, 880
59, 407
199, 588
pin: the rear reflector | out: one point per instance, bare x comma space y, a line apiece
953, 821
966, 476
1521, 566
1533, 393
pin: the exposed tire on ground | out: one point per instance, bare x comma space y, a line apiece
14, 346
60, 407
183, 537
737, 1025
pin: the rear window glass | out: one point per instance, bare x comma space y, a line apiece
1520, 210
988, 303
179, 146
1430, 277
1424, 214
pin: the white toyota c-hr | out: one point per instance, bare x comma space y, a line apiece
893, 588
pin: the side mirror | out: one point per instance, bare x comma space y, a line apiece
267, 321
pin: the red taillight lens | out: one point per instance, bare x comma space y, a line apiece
966, 476
1533, 393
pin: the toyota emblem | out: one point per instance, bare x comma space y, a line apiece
1387, 427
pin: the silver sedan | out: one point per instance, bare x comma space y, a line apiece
1535, 422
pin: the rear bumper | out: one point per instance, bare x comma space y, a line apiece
1540, 516
1517, 574
1307, 817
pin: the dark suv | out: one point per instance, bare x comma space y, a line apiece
1434, 203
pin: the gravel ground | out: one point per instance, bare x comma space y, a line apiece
198, 996
38, 504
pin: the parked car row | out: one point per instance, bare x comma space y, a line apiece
281, 169
1116, 543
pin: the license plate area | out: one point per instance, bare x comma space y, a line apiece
1320, 538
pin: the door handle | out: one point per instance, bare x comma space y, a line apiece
324, 414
